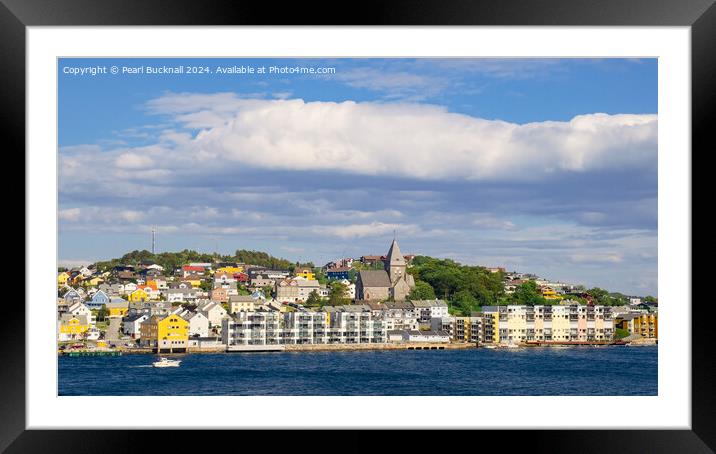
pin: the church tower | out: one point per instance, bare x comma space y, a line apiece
395, 262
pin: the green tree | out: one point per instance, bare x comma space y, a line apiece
422, 291
464, 303
314, 299
321, 277
527, 294
338, 294
102, 313
268, 291
206, 285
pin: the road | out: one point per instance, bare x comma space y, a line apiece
113, 335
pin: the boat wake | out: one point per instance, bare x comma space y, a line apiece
143, 365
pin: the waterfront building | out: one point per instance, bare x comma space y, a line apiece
169, 333
198, 323
393, 282
425, 310
350, 324
460, 329
400, 315
354, 324
428, 336
644, 324
72, 327
131, 324
558, 323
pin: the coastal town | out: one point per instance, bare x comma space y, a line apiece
391, 301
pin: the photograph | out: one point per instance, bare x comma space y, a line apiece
306, 226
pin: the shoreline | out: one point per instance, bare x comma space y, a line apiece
335, 348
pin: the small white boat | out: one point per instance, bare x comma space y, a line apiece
164, 362
490, 346
512, 346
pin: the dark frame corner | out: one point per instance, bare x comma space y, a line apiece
700, 15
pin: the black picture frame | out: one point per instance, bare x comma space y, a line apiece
700, 15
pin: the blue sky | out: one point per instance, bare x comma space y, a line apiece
541, 165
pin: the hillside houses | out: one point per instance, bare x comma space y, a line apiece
150, 300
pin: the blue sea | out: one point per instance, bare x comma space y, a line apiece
573, 371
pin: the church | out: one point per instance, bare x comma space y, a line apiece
393, 282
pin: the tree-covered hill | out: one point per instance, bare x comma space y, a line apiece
171, 260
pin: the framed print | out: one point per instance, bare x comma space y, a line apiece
444, 217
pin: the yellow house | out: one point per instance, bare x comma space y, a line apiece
117, 309
138, 296
95, 281
62, 279
194, 281
305, 273
72, 327
165, 332
230, 269
549, 294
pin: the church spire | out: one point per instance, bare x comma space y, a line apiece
395, 263
394, 257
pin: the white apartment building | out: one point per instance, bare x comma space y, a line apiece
346, 324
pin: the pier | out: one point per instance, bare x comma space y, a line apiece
91, 353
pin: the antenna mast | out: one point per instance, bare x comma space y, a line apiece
154, 234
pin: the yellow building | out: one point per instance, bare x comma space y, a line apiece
491, 326
466, 329
95, 281
165, 333
194, 281
138, 296
62, 279
548, 293
645, 325
230, 269
117, 309
306, 273
72, 327
561, 324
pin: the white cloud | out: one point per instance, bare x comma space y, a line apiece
133, 161
488, 222
596, 258
364, 230
404, 140
70, 214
